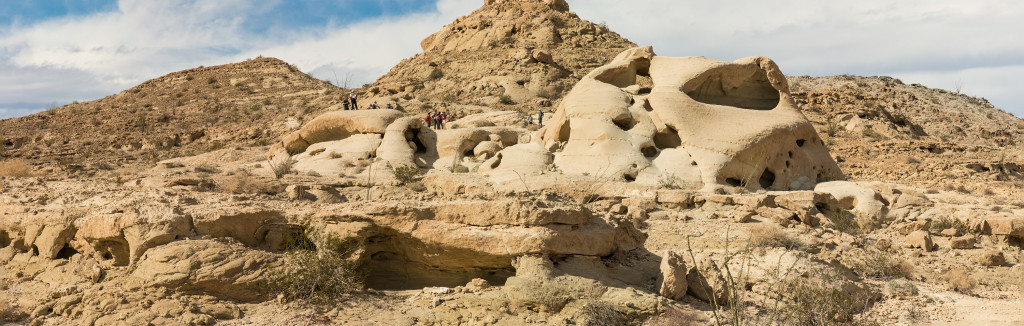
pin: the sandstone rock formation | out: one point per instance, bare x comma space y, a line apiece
696, 122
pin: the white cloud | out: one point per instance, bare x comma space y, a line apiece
933, 42
109, 52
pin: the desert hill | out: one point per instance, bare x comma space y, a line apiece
507, 55
652, 195
182, 113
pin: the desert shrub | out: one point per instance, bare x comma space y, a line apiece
844, 221
772, 235
881, 264
17, 168
959, 280
417, 186
313, 173
901, 287
460, 169
596, 313
282, 167
408, 174
872, 134
505, 99
947, 222
817, 299
318, 268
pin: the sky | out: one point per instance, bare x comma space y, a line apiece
53, 52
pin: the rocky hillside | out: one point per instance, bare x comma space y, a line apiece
182, 113
882, 129
506, 55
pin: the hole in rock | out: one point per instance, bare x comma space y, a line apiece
694, 163
790, 154
563, 132
468, 153
733, 182
5, 240
399, 262
35, 250
66, 252
107, 256
413, 135
800, 142
767, 179
116, 250
744, 87
629, 177
668, 138
649, 151
787, 164
645, 90
624, 122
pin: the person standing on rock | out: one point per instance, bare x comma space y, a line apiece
540, 117
352, 98
427, 120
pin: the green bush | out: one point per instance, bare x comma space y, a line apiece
408, 174
318, 268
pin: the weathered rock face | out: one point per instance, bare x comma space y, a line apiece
691, 121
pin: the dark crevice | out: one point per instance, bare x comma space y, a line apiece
767, 179
668, 138
800, 142
66, 252
413, 135
733, 182
625, 122
649, 151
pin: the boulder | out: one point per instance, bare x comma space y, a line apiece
672, 280
910, 227
542, 56
920, 239
964, 242
705, 281
204, 266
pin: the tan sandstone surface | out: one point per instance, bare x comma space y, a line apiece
659, 191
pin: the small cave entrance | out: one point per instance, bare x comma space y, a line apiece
34, 250
66, 252
624, 121
398, 262
113, 250
5, 240
767, 179
413, 135
744, 87
649, 151
733, 182
800, 142
667, 138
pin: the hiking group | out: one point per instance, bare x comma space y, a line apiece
351, 104
437, 120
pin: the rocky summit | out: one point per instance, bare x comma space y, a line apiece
576, 179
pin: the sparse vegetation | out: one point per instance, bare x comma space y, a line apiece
318, 268
16, 168
408, 174
282, 167
946, 222
959, 280
818, 299
882, 264
844, 221
772, 235
505, 99
901, 287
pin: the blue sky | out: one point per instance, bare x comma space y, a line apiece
53, 52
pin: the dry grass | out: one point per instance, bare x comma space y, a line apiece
677, 317
959, 280
772, 235
10, 312
817, 299
17, 168
880, 264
